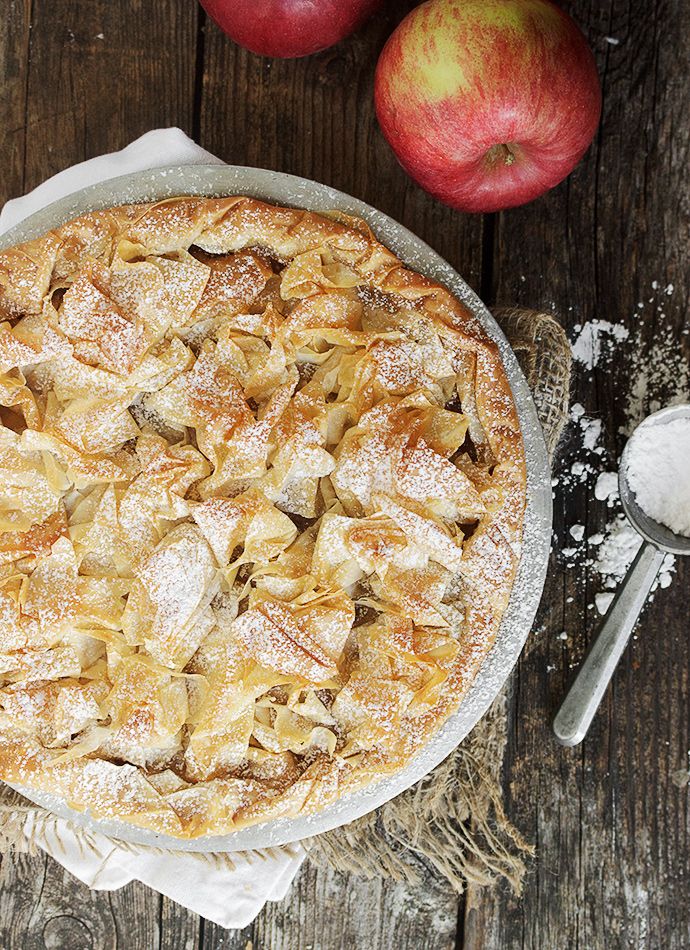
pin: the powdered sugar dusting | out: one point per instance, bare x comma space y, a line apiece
651, 375
595, 339
615, 556
659, 375
303, 193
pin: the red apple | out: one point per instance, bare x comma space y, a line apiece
487, 103
289, 28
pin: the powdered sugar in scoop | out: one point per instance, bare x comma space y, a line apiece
658, 471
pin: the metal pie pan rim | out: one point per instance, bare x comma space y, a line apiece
280, 188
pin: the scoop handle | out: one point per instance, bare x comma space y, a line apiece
593, 677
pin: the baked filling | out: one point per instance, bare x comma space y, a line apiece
261, 501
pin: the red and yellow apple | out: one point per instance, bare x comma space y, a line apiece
487, 103
289, 28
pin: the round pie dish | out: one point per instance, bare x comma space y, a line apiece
341, 373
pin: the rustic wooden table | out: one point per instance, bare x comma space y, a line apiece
612, 829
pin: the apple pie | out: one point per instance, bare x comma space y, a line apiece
261, 500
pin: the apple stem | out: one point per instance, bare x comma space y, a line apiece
501, 153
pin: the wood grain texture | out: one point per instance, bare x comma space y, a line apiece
14, 56
180, 929
357, 914
42, 906
610, 826
102, 73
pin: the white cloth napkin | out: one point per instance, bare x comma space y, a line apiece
229, 889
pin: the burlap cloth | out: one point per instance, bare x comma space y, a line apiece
452, 823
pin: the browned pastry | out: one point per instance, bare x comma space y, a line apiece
261, 502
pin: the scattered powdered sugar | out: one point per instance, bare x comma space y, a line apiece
582, 460
591, 433
651, 370
606, 487
609, 553
616, 554
604, 600
659, 375
658, 471
618, 548
594, 338
657, 371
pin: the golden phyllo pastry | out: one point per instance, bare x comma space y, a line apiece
261, 501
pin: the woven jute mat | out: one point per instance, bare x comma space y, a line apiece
451, 825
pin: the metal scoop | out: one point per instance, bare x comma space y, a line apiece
585, 694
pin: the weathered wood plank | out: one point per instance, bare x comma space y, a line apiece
329, 910
610, 827
180, 929
103, 73
213, 937
42, 906
14, 57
